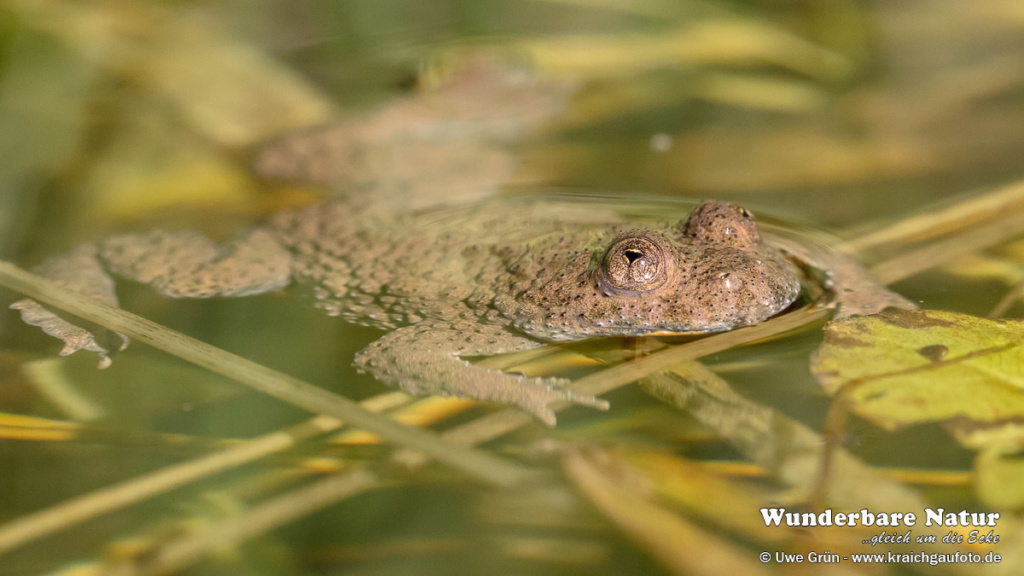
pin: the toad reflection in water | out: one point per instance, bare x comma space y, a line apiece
473, 283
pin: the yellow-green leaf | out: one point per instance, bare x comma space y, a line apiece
904, 367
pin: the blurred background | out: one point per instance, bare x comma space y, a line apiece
833, 111
118, 115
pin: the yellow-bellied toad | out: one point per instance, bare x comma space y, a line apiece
471, 284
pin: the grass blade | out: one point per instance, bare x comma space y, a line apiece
479, 464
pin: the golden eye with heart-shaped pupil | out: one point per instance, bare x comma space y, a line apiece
634, 263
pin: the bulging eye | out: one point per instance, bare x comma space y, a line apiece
634, 263
723, 224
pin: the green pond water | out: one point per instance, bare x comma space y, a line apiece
821, 117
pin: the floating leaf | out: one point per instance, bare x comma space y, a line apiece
904, 367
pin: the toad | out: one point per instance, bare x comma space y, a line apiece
468, 283
450, 284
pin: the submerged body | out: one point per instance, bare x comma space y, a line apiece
474, 281
545, 274
462, 283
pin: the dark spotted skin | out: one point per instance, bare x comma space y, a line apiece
449, 283
470, 282
711, 273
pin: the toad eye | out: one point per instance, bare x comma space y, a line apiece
634, 263
723, 224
